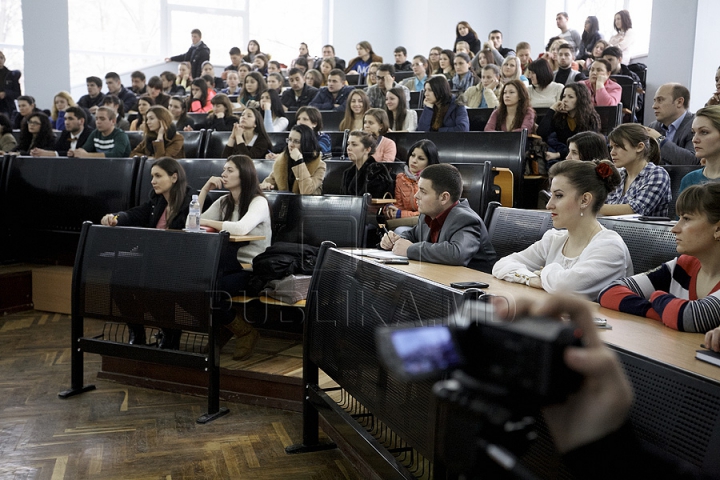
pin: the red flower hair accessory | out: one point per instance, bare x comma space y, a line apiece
604, 170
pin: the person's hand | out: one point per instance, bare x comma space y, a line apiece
265, 105
428, 103
93, 109
581, 63
295, 153
39, 152
600, 82
237, 133
535, 282
252, 104
715, 99
2, 95
494, 84
78, 152
391, 211
167, 59
388, 240
213, 183
603, 402
552, 155
224, 74
188, 128
558, 106
653, 133
487, 46
712, 339
270, 156
266, 186
110, 220
401, 246
220, 115
161, 132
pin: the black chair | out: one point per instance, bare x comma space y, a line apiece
649, 243
279, 140
331, 120
263, 168
513, 229
53, 196
402, 75
677, 172
198, 118
135, 138
194, 143
215, 143
332, 183
353, 79
479, 118
629, 92
416, 99
477, 184
338, 143
610, 117
134, 275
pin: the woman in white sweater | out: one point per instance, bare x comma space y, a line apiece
243, 211
584, 257
543, 92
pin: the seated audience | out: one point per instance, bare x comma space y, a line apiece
706, 128
615, 57
184, 79
143, 105
275, 81
114, 103
299, 168
514, 112
314, 78
365, 57
235, 61
590, 36
485, 57
673, 125
302, 53
326, 66
645, 186
181, 120
248, 136
465, 33
299, 94
588, 146
200, 97
494, 42
221, 117
434, 60
160, 139
94, 97
328, 51
253, 49
401, 118
464, 76
597, 52
683, 293
604, 91
243, 211
75, 135
448, 231
7, 139
128, 98
107, 140
385, 82
334, 96
625, 36
447, 64
463, 47
510, 70
365, 175
25, 107
421, 155
61, 102
167, 208
233, 84
416, 83
484, 94
253, 87
543, 91
578, 255
355, 108
209, 70
401, 62
376, 123
371, 77
260, 64
302, 65
137, 83
312, 117
155, 90
551, 53
274, 113
442, 112
565, 73
169, 86
574, 113
36, 132
525, 57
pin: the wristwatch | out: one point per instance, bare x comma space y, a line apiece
661, 139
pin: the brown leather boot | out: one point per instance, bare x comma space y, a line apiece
246, 335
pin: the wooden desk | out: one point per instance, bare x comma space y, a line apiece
246, 238
382, 201
638, 335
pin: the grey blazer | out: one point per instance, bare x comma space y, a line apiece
681, 150
463, 240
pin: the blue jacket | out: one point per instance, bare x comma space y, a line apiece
456, 119
324, 99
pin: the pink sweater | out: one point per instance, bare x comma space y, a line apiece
606, 97
528, 122
386, 151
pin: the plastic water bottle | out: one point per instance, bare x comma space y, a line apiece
193, 219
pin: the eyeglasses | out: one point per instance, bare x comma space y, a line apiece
292, 141
34, 122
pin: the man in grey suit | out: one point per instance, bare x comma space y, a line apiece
673, 128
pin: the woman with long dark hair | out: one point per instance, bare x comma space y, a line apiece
178, 109
299, 168
574, 113
514, 112
588, 146
253, 87
400, 117
253, 49
376, 124
434, 60
421, 154
243, 211
464, 75
200, 97
312, 117
36, 132
143, 105
465, 33
590, 36
543, 91
248, 136
167, 208
447, 64
274, 113
221, 118
442, 112
160, 138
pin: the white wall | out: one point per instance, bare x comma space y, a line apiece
705, 59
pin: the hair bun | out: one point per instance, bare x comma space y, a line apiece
608, 173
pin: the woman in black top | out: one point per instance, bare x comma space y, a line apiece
248, 136
178, 109
590, 36
366, 175
36, 132
221, 118
465, 33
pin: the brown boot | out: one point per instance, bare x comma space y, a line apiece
246, 335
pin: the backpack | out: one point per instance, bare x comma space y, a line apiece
284, 258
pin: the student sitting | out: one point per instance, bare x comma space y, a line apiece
442, 112
274, 113
514, 112
36, 132
683, 293
160, 139
106, 141
248, 136
375, 122
221, 118
448, 231
603, 90
587, 146
299, 168
200, 97
365, 175
484, 94
584, 256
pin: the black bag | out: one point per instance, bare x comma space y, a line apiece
284, 258
379, 181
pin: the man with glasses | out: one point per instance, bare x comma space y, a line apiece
385, 82
75, 135
416, 83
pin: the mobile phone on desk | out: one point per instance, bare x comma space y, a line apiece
464, 285
394, 261
647, 218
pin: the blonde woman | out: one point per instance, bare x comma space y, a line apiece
61, 102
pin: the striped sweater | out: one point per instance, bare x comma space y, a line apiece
667, 293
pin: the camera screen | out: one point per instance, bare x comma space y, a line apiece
425, 349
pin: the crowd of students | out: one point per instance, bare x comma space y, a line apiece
587, 178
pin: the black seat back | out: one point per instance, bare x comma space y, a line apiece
215, 144
514, 229
677, 172
610, 117
477, 184
331, 120
197, 171
135, 138
649, 244
479, 118
194, 143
